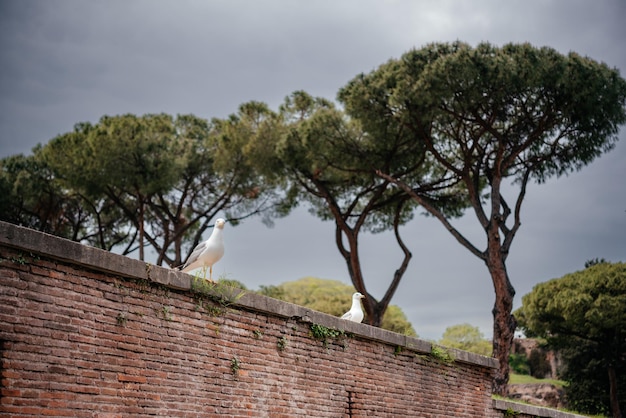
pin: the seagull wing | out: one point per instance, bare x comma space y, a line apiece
357, 316
347, 315
195, 255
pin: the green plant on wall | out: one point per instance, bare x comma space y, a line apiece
235, 365
23, 259
282, 343
209, 307
214, 297
121, 319
322, 333
166, 313
509, 413
440, 355
19, 260
398, 350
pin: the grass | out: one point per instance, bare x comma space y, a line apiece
519, 379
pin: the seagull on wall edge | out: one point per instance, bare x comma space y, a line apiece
207, 252
355, 313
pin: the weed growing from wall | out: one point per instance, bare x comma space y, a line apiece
322, 333
214, 297
439, 354
282, 343
23, 259
166, 313
235, 365
121, 319
509, 413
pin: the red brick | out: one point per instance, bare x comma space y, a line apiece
128, 378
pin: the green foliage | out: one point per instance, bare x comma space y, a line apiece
511, 413
589, 304
588, 389
466, 337
132, 181
32, 196
475, 117
441, 355
594, 261
522, 379
329, 163
165, 312
232, 283
334, 298
272, 291
584, 315
22, 258
519, 364
235, 366
535, 364
282, 343
322, 333
215, 297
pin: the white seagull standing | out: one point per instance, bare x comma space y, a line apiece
355, 313
208, 252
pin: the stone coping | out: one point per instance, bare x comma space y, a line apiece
532, 410
92, 258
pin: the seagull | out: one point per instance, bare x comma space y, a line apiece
207, 252
355, 313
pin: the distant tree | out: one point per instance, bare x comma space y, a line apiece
594, 261
166, 177
326, 161
127, 159
32, 196
584, 314
485, 115
272, 291
28, 196
217, 177
232, 283
466, 337
334, 298
588, 390
519, 363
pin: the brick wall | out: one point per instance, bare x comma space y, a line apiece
87, 333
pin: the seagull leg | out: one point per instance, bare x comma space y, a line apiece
204, 272
211, 273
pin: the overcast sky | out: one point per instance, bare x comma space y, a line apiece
68, 61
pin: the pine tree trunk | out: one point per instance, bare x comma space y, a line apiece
504, 323
615, 410
141, 230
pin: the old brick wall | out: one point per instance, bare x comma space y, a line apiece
87, 333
